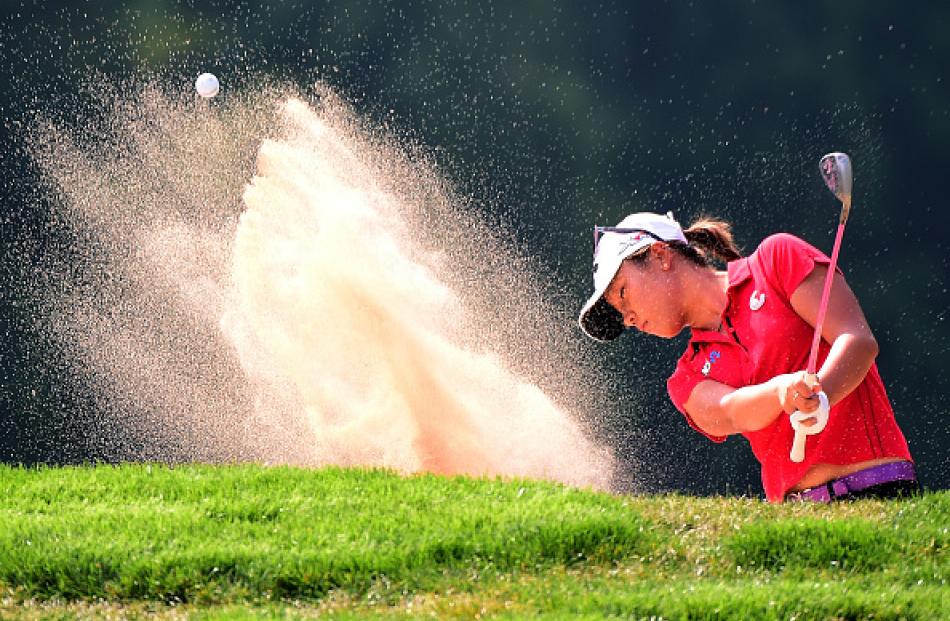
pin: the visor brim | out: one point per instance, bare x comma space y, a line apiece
601, 321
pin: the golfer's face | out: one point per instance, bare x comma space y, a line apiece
642, 294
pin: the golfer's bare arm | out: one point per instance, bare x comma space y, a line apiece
719, 409
853, 346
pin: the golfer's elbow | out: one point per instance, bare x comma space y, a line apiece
863, 346
848, 363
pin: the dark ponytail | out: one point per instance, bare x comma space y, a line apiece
709, 238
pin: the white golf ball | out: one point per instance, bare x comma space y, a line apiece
207, 85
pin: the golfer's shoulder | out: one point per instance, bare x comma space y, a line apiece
780, 249
683, 379
785, 260
687, 373
778, 243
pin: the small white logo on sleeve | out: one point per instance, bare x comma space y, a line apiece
713, 357
756, 300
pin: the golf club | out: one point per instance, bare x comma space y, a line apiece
836, 172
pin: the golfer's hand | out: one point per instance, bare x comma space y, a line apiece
799, 392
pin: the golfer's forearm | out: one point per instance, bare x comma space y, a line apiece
848, 362
754, 407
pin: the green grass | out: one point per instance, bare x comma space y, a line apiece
253, 542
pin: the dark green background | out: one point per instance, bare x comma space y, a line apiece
559, 115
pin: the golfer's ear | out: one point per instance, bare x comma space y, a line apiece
662, 253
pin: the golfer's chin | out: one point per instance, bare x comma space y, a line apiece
660, 330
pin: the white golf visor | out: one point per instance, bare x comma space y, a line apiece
598, 319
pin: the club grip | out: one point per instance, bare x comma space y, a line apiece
798, 447
797, 453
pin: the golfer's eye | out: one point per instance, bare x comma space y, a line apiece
622, 289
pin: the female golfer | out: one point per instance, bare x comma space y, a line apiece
752, 327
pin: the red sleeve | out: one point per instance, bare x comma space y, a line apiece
680, 386
786, 260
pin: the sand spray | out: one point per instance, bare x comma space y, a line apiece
271, 278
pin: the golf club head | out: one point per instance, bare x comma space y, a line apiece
836, 171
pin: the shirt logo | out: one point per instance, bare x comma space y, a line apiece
713, 357
756, 300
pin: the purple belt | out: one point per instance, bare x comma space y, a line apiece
857, 481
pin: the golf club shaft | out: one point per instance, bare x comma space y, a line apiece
836, 171
826, 290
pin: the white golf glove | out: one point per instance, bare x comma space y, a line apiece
821, 415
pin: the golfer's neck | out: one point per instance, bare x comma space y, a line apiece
706, 298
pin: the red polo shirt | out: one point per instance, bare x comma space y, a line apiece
768, 338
